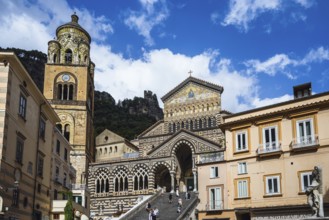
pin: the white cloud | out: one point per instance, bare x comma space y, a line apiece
242, 12
282, 63
257, 102
161, 70
30, 25
153, 13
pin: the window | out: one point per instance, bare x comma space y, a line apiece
42, 131
272, 185
77, 199
68, 56
215, 198
55, 216
305, 180
56, 173
242, 168
270, 137
241, 141
67, 132
242, 188
58, 147
19, 150
22, 106
30, 168
55, 194
15, 198
65, 154
40, 166
305, 133
65, 91
213, 172
64, 179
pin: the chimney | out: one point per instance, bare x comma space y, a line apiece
302, 90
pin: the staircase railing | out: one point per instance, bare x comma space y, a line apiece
187, 212
131, 213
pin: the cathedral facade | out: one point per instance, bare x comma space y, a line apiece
165, 155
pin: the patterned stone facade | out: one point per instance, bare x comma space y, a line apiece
168, 151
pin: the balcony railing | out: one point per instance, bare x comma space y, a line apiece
79, 187
211, 157
214, 205
266, 148
305, 142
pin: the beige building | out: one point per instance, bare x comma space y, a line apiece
27, 125
270, 154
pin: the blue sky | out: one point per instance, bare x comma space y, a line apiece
256, 49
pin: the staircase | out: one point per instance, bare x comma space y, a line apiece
168, 211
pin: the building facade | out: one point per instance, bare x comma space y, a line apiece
269, 158
27, 130
166, 153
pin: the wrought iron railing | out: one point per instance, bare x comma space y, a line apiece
211, 157
269, 147
305, 141
214, 205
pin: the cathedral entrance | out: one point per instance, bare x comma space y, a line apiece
162, 177
184, 175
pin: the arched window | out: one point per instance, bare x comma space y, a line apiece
105, 152
204, 123
67, 132
59, 91
183, 124
178, 126
68, 56
102, 183
115, 149
209, 123
140, 178
85, 59
200, 123
121, 180
174, 127
169, 127
71, 89
54, 58
191, 125
110, 149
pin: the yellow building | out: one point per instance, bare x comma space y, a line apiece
27, 125
270, 154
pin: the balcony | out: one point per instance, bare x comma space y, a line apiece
310, 142
216, 205
269, 149
211, 157
79, 187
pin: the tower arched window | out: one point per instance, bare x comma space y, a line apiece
54, 58
191, 125
68, 56
169, 127
204, 123
174, 127
209, 123
67, 132
183, 124
115, 149
65, 91
200, 123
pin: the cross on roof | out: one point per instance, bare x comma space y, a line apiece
190, 72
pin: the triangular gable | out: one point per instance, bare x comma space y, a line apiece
199, 144
195, 81
107, 137
155, 129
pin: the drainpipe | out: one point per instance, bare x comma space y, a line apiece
36, 161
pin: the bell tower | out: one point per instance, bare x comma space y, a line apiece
69, 88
